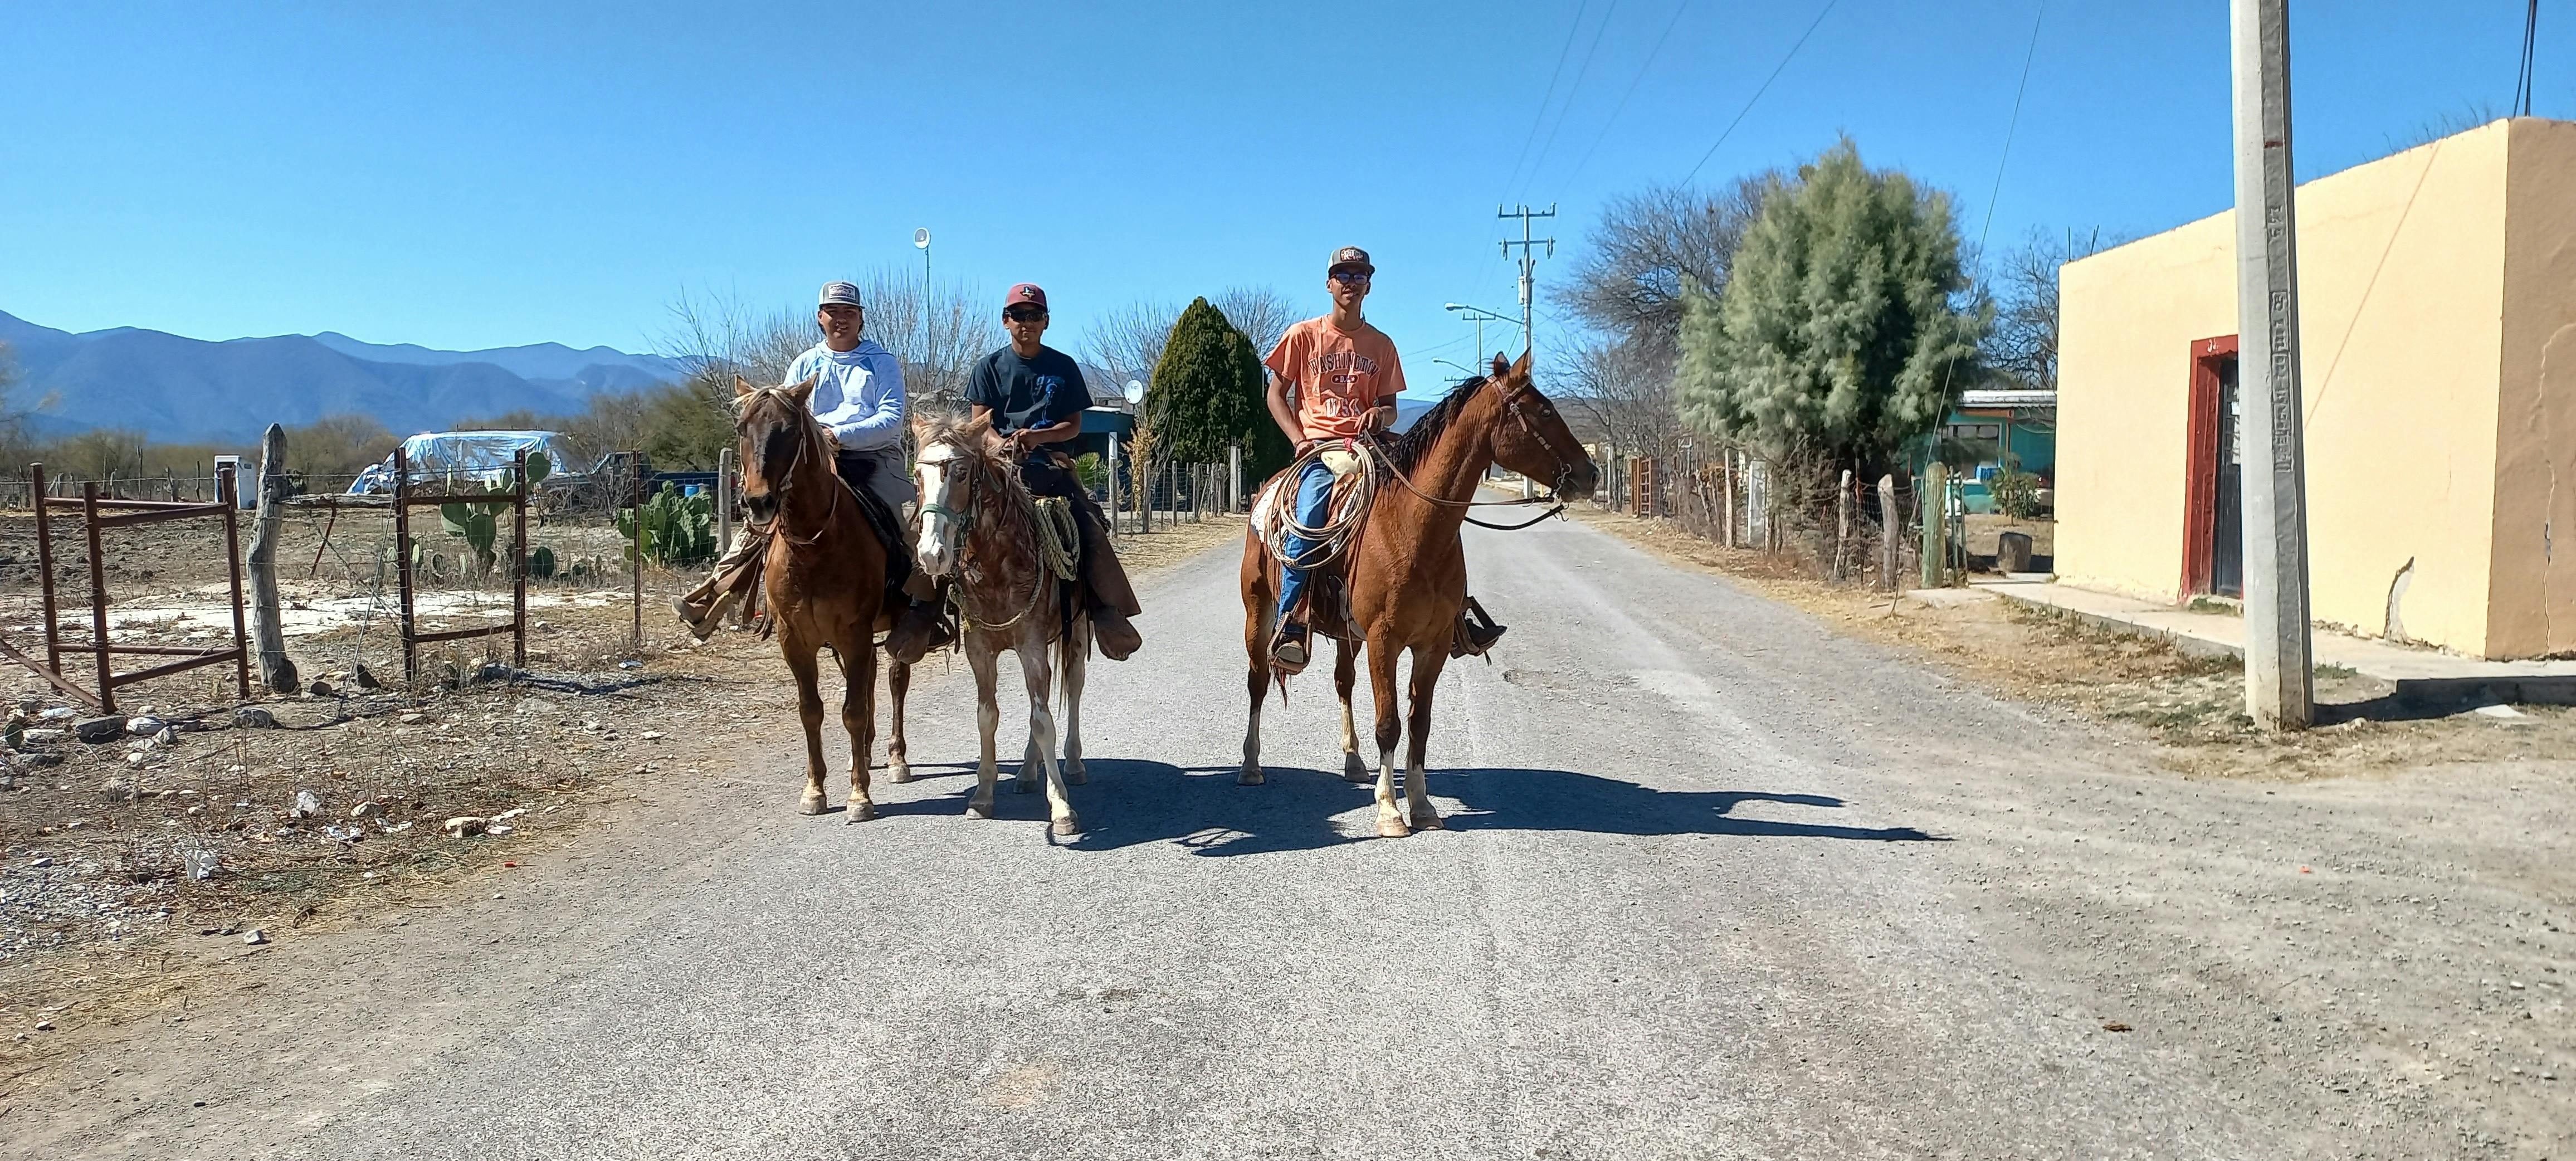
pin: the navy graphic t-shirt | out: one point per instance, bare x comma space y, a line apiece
1026, 393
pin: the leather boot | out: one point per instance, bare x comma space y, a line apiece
1115, 635
918, 631
1477, 631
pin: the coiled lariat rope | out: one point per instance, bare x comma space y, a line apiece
1329, 539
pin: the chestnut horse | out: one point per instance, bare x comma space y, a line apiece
1405, 579
980, 526
824, 578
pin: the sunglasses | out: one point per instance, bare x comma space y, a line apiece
1024, 314
1351, 277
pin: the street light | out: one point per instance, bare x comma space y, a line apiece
1479, 314
1471, 371
921, 242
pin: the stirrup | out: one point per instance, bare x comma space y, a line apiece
1303, 643
1477, 631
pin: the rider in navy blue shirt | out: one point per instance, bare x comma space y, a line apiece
1034, 395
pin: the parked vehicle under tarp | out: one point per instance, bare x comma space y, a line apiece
483, 456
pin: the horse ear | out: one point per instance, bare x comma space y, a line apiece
1502, 366
1521, 369
802, 391
742, 387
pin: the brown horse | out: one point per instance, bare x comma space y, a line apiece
980, 526
1405, 579
824, 578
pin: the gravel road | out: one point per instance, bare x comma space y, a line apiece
1716, 884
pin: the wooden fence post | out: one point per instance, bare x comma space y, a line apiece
1842, 525
1891, 535
276, 671
1936, 526
1726, 492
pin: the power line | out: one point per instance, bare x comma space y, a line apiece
1548, 94
2014, 124
1757, 93
1622, 106
2522, 80
1567, 108
1996, 194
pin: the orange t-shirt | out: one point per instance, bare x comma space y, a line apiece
1339, 375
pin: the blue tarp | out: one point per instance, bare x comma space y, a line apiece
483, 456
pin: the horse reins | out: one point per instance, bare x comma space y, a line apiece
1564, 472
965, 525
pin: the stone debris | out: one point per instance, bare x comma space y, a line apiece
413, 719
106, 729
44, 1025
58, 713
115, 791
306, 805
251, 717
465, 826
366, 810
144, 726
351, 835
166, 736
200, 864
255, 936
322, 689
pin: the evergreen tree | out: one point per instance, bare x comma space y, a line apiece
1844, 328
1206, 395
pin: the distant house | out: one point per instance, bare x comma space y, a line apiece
2438, 334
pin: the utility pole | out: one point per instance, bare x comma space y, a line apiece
1529, 262
2280, 689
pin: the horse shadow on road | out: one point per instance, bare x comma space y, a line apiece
1132, 802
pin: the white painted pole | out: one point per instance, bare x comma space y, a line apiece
2279, 686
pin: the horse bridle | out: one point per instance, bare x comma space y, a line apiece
962, 523
1555, 500
780, 486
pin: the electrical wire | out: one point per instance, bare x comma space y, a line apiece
1546, 95
2010, 127
1757, 93
1565, 110
1622, 106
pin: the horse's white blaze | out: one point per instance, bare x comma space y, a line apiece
932, 551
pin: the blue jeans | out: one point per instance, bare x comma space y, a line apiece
1314, 506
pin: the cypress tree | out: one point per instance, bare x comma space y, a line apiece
1207, 392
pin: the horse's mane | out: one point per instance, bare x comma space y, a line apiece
1407, 448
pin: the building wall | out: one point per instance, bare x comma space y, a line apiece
2401, 280
2533, 590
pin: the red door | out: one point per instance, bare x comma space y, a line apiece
2213, 538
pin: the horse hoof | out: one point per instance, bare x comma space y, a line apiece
859, 812
983, 812
1354, 770
1068, 825
898, 773
1428, 820
1075, 775
1392, 828
812, 803
1251, 776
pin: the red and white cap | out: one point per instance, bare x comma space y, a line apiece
1026, 292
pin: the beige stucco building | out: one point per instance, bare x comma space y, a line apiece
2438, 345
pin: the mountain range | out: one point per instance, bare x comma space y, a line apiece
178, 389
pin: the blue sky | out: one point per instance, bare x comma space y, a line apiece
464, 175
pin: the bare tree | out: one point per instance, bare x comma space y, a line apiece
2023, 345
1260, 312
1649, 246
1623, 393
940, 345
1128, 340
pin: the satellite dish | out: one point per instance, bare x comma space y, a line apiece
1135, 391
921, 239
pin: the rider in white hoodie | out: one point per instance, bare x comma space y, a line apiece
858, 394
